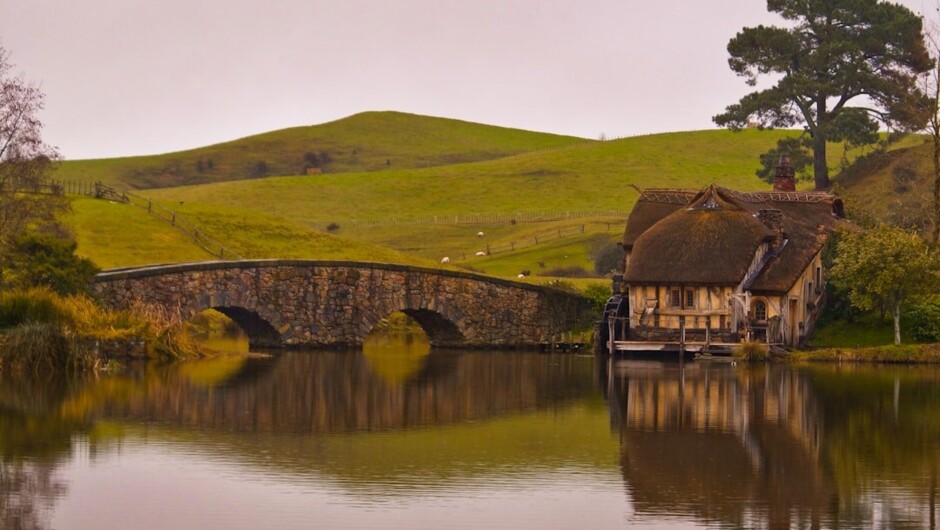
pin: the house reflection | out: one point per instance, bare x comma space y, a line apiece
721, 444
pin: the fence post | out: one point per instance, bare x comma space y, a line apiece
173, 221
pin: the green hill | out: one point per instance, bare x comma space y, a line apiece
370, 141
590, 176
122, 235
894, 187
390, 213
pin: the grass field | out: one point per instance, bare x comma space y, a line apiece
475, 169
121, 235
364, 142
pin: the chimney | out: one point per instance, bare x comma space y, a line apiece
783, 178
773, 219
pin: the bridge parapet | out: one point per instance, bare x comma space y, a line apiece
337, 303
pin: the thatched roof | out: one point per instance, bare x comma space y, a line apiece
674, 239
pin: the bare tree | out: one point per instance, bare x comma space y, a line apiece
25, 160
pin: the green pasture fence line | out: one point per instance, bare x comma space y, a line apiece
205, 242
531, 241
477, 218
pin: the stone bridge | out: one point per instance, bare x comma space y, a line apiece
302, 303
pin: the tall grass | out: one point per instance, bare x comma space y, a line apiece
41, 330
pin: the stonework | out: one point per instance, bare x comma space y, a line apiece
331, 303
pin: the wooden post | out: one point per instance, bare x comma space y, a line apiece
611, 330
681, 337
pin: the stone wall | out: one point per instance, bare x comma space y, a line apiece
324, 303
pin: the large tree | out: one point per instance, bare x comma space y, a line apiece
25, 162
832, 53
885, 267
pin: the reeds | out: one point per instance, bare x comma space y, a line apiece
42, 330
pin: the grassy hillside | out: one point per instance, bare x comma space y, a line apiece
286, 216
894, 187
121, 235
364, 142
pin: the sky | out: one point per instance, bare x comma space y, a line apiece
133, 77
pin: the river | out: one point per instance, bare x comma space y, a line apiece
396, 437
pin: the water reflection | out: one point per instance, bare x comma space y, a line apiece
404, 430
776, 447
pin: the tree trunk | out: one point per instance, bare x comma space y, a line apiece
820, 167
896, 312
820, 135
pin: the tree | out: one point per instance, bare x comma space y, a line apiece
25, 161
49, 260
885, 267
833, 53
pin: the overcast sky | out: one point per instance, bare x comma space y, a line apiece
125, 77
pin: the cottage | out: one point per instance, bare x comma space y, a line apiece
706, 269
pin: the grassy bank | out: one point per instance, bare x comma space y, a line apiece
41, 330
904, 353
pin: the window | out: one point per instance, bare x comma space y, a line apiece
760, 310
674, 299
689, 298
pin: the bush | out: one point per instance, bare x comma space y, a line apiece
752, 351
46, 260
923, 322
35, 305
607, 256
332, 227
598, 294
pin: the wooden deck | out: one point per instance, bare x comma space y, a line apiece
714, 348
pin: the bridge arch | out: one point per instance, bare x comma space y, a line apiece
338, 303
260, 332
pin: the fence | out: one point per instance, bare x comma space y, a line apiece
478, 218
208, 244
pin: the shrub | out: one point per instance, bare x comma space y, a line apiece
46, 260
598, 294
35, 305
39, 346
923, 322
332, 227
752, 351
607, 256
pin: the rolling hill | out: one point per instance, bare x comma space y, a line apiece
370, 141
386, 212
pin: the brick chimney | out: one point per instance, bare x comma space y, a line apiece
783, 178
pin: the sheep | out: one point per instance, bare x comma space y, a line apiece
481, 253
479, 234
521, 276
445, 259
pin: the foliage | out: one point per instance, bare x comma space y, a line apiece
607, 256
887, 267
796, 147
46, 259
19, 306
923, 321
598, 294
25, 161
831, 53
751, 351
37, 324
